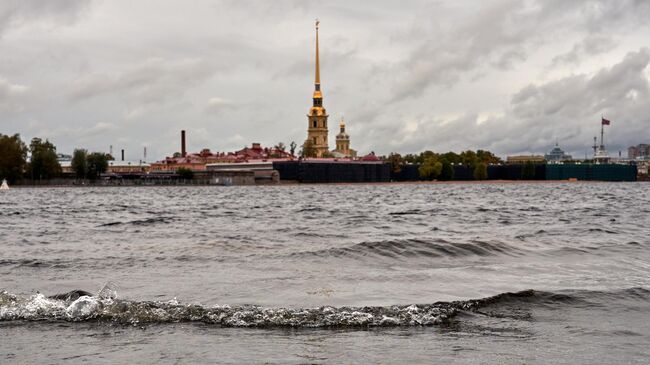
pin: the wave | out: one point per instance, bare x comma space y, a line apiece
409, 248
91, 308
77, 306
24, 262
407, 212
110, 261
602, 249
140, 222
600, 230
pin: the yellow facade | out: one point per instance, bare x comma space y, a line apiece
343, 143
525, 158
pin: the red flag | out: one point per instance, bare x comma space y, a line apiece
605, 121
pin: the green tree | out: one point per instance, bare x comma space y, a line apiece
480, 171
97, 163
487, 157
396, 162
451, 157
13, 156
528, 171
468, 158
411, 158
79, 163
185, 173
430, 169
43, 163
426, 155
447, 172
308, 149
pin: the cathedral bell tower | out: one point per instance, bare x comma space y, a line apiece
343, 140
343, 143
316, 144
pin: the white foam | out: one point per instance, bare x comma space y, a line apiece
83, 308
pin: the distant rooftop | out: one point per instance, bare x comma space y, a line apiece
557, 154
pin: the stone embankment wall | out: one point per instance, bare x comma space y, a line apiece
226, 178
332, 172
582, 172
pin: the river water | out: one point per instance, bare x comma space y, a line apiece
405, 273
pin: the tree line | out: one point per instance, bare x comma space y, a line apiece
440, 165
39, 160
89, 165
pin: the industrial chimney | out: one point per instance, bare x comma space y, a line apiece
122, 154
183, 150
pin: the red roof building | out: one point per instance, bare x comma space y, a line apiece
197, 161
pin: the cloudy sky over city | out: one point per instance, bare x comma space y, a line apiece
512, 77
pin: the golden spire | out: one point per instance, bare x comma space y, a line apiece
318, 96
317, 81
342, 124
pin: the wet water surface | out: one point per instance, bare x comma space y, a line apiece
468, 273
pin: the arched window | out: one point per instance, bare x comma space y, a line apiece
315, 123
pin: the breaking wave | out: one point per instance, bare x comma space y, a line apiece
91, 308
78, 306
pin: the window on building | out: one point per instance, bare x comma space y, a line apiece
315, 124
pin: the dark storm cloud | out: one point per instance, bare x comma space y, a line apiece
620, 93
507, 75
505, 33
580, 95
567, 110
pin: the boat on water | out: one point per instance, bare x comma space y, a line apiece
4, 185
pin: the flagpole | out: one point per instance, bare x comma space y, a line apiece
602, 130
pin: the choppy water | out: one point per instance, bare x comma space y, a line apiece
468, 273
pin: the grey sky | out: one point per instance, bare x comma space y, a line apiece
508, 76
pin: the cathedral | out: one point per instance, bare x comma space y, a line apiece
317, 144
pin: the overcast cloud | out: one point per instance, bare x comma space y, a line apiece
509, 76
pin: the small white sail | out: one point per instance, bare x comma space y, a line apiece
4, 185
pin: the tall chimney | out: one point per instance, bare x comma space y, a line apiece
183, 150
122, 154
